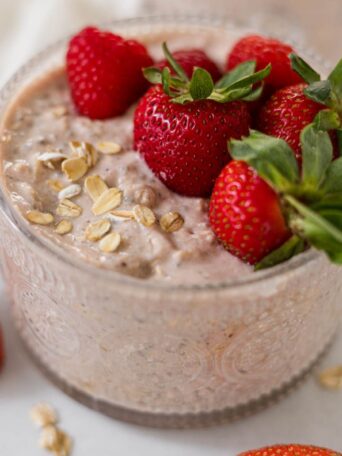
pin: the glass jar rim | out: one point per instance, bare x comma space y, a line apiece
106, 274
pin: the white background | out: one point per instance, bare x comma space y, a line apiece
310, 414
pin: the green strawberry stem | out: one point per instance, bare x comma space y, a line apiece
327, 92
290, 248
238, 84
311, 199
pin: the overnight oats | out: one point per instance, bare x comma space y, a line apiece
149, 264
43, 126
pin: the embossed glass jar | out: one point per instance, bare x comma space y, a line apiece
158, 354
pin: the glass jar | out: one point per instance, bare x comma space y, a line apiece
153, 353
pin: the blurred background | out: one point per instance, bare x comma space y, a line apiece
29, 25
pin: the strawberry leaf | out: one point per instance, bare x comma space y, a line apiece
320, 231
289, 249
255, 94
339, 140
330, 201
247, 80
327, 92
240, 71
271, 157
335, 77
327, 119
166, 78
174, 64
235, 94
273, 175
304, 70
182, 99
333, 181
235, 85
320, 92
317, 152
335, 255
320, 237
153, 75
241, 88
333, 215
201, 84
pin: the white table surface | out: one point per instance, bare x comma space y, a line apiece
309, 415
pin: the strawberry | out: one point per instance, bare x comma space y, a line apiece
286, 113
181, 126
291, 450
264, 210
189, 59
245, 213
265, 50
292, 108
105, 72
186, 145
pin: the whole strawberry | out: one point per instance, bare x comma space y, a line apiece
286, 113
186, 145
264, 210
265, 51
291, 450
181, 125
245, 213
292, 108
105, 72
190, 59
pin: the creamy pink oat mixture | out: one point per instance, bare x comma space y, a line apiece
43, 119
